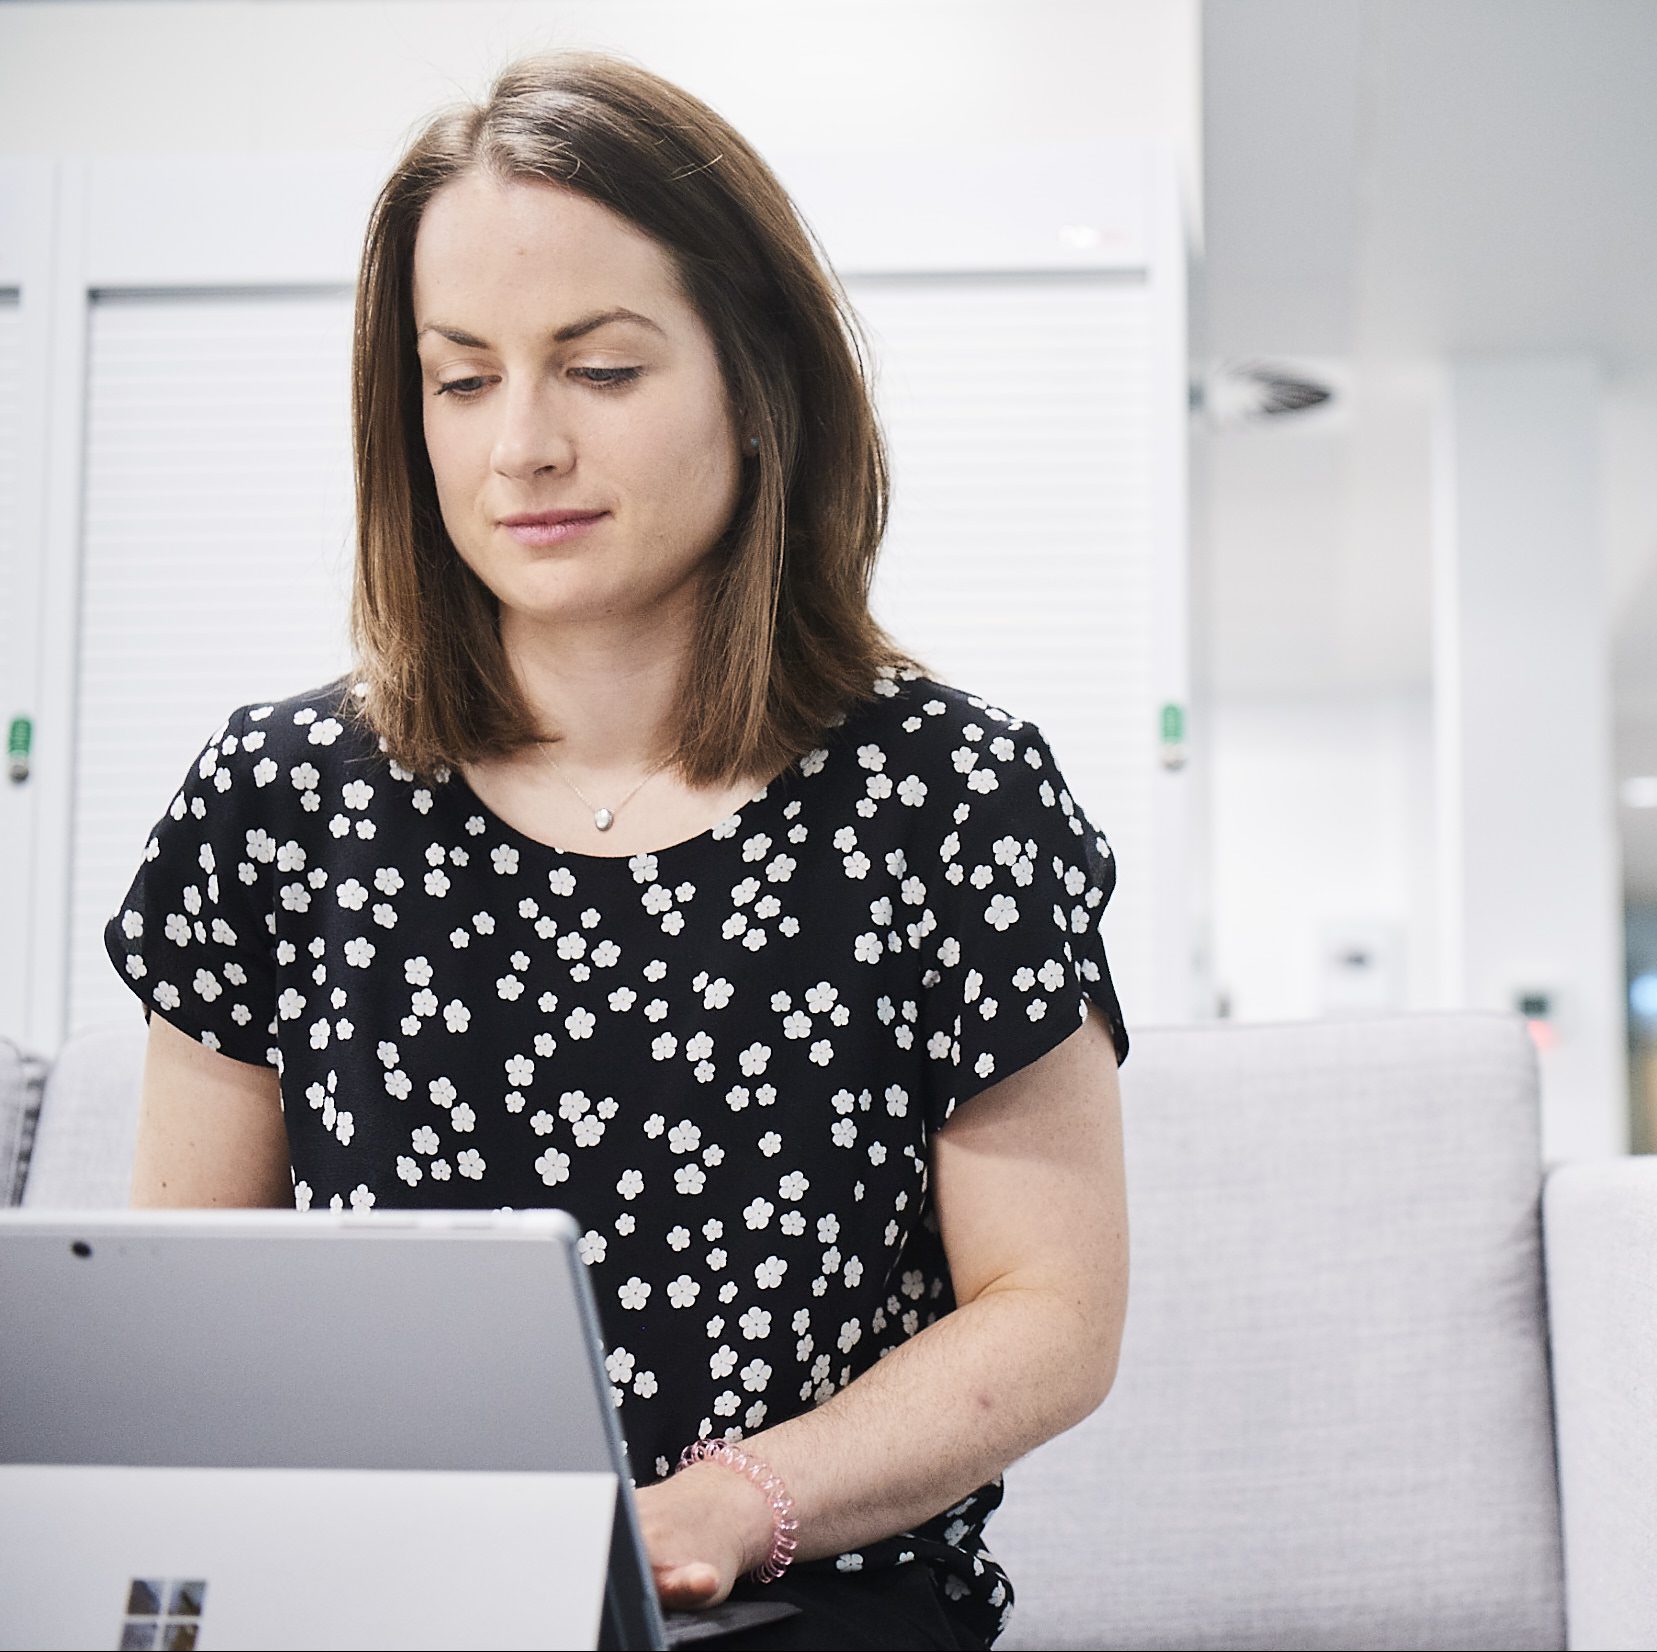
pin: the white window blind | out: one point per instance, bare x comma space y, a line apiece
12, 584
217, 546
1022, 541
218, 542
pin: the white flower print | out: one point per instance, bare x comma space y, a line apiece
769, 1272
755, 1324
722, 1362
631, 1184
553, 1166
683, 1292
470, 1164
757, 1213
1002, 912
753, 1059
579, 1023
689, 1178
634, 1294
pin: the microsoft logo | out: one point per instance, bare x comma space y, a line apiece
163, 1613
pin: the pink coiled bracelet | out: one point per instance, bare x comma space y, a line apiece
783, 1523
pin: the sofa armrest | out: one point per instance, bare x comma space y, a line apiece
22, 1081
1599, 1222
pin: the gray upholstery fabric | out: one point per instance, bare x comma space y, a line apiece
89, 1121
1601, 1224
1331, 1422
22, 1075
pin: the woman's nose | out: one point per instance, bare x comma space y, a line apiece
534, 430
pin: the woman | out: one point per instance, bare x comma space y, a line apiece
634, 869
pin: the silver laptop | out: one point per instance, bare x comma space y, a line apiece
331, 1429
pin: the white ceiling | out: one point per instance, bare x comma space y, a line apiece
1387, 183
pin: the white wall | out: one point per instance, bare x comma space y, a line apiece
216, 76
1323, 816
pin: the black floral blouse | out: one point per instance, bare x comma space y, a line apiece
725, 1059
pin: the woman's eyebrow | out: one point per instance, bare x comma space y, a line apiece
575, 329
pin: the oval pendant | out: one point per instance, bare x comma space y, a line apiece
602, 820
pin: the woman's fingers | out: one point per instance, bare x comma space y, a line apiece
691, 1583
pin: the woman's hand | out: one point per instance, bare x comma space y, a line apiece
703, 1528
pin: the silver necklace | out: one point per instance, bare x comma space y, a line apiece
602, 818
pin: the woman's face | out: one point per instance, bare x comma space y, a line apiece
630, 417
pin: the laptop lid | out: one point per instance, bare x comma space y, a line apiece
354, 1416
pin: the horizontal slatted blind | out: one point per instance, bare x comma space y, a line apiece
217, 547
1019, 558
218, 537
13, 692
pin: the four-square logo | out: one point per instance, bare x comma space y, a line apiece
163, 1613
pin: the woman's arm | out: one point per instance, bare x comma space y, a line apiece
210, 1129
1031, 1197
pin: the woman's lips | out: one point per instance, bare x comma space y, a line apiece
552, 533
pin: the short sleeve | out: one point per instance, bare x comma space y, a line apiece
192, 937
1026, 877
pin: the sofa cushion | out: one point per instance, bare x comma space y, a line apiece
1331, 1422
83, 1148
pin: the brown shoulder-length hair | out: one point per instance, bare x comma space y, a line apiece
785, 644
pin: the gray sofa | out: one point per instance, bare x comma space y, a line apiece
1387, 1379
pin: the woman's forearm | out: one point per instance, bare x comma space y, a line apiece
929, 1422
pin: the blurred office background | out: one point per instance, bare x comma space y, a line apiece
1272, 391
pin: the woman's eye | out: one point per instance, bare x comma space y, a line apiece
609, 375
601, 378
